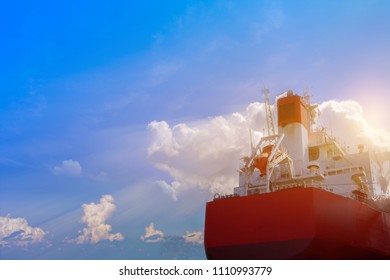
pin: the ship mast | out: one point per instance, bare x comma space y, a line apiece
270, 121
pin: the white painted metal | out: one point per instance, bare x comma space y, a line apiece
327, 166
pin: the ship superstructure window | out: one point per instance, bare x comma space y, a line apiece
314, 153
344, 170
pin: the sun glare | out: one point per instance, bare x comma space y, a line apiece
374, 99
376, 113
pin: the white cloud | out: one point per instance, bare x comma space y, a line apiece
193, 237
171, 190
16, 231
95, 216
68, 167
152, 235
345, 119
163, 140
206, 154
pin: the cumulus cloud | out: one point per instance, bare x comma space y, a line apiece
206, 154
95, 216
16, 231
152, 235
193, 237
170, 189
68, 167
346, 120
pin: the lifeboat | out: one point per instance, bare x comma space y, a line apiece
261, 161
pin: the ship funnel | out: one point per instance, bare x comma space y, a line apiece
293, 122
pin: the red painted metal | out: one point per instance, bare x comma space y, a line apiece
297, 223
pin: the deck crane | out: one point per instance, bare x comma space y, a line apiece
268, 152
270, 121
269, 118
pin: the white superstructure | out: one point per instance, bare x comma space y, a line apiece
298, 154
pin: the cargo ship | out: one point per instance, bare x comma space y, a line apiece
302, 195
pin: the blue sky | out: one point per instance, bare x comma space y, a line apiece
94, 98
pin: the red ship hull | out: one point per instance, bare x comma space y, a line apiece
297, 223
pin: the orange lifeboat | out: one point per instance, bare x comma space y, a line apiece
261, 161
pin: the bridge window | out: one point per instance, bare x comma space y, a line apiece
314, 153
